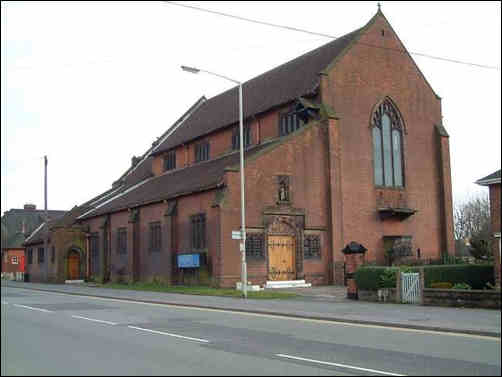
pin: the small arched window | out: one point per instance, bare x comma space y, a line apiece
387, 132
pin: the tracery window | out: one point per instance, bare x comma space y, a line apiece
155, 236
198, 223
170, 161
236, 142
255, 245
122, 241
312, 247
387, 132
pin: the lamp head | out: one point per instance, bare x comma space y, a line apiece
190, 69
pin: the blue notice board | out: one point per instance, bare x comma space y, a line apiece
188, 260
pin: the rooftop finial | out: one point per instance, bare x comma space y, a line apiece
379, 6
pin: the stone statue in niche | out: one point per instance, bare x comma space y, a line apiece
283, 188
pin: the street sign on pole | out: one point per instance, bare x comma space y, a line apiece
236, 235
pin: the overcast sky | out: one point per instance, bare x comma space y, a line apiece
90, 84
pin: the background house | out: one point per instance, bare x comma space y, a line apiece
17, 225
492, 181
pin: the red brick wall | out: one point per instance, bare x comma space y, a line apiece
495, 207
302, 158
7, 265
192, 205
95, 226
36, 270
121, 266
153, 265
362, 78
495, 217
264, 127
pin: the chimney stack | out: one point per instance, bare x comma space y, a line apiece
135, 160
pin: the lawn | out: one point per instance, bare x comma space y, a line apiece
197, 290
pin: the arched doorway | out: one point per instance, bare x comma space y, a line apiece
73, 265
281, 257
281, 249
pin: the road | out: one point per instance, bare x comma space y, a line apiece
46, 333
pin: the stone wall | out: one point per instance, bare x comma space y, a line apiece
462, 298
382, 295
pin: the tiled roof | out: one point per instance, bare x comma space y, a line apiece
197, 177
281, 85
490, 179
142, 169
141, 173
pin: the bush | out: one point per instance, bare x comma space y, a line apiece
475, 275
372, 278
388, 278
462, 286
443, 285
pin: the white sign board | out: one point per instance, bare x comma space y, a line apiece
236, 235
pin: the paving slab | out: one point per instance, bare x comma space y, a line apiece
485, 322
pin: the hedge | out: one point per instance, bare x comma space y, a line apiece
373, 278
370, 278
476, 275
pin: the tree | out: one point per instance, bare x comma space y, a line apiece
472, 226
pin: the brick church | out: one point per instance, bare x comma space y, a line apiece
344, 143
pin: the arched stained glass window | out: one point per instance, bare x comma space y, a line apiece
387, 135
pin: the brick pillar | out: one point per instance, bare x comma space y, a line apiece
170, 232
446, 200
354, 258
335, 207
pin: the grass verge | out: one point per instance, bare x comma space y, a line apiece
196, 290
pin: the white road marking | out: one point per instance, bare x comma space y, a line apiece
168, 334
282, 317
37, 309
94, 320
339, 365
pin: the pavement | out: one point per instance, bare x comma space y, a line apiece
326, 303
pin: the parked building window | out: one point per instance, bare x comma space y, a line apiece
198, 223
170, 161
202, 151
53, 254
41, 255
289, 122
387, 132
312, 247
30, 255
122, 241
255, 246
15, 260
94, 253
155, 236
236, 142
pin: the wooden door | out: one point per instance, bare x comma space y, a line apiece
281, 258
74, 266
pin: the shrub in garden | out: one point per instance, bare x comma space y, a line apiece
442, 285
462, 286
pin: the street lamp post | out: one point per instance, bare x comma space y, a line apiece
243, 209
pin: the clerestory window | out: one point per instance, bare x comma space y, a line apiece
387, 135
